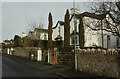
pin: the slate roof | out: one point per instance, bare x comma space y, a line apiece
30, 31
96, 16
60, 22
92, 15
118, 5
42, 30
58, 37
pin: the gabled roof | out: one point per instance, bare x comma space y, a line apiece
118, 5
6, 40
60, 22
41, 30
58, 37
96, 16
30, 31
93, 15
77, 16
114, 20
23, 33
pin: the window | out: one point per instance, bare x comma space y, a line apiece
108, 41
108, 37
73, 40
45, 37
35, 33
117, 41
59, 31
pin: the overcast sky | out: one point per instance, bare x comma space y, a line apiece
16, 15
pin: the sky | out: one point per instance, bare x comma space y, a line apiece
0, 21
17, 15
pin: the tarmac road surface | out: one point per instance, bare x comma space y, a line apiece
14, 68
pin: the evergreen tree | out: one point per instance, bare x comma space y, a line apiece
50, 30
66, 29
17, 41
81, 32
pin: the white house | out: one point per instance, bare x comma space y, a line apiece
92, 38
95, 37
38, 34
58, 30
23, 34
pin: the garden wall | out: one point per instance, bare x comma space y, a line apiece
24, 51
102, 62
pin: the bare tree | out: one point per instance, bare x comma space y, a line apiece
31, 24
33, 29
102, 22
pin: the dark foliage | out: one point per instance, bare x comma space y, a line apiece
81, 32
50, 30
17, 41
66, 29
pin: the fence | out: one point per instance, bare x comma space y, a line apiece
62, 55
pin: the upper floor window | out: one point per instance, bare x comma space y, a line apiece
73, 39
108, 37
45, 37
108, 41
59, 30
117, 41
35, 33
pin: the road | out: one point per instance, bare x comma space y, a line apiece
14, 68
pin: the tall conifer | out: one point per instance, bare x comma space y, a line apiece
81, 32
66, 29
50, 30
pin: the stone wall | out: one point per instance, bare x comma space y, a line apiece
99, 62
4, 50
95, 61
24, 51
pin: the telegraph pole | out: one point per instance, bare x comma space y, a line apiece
102, 34
75, 28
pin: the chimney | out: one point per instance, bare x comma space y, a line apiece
76, 11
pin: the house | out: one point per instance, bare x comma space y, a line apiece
23, 34
8, 43
92, 37
58, 31
95, 37
38, 34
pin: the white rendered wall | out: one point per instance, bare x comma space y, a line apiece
56, 32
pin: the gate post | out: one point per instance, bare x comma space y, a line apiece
39, 55
8, 51
11, 52
54, 55
48, 55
